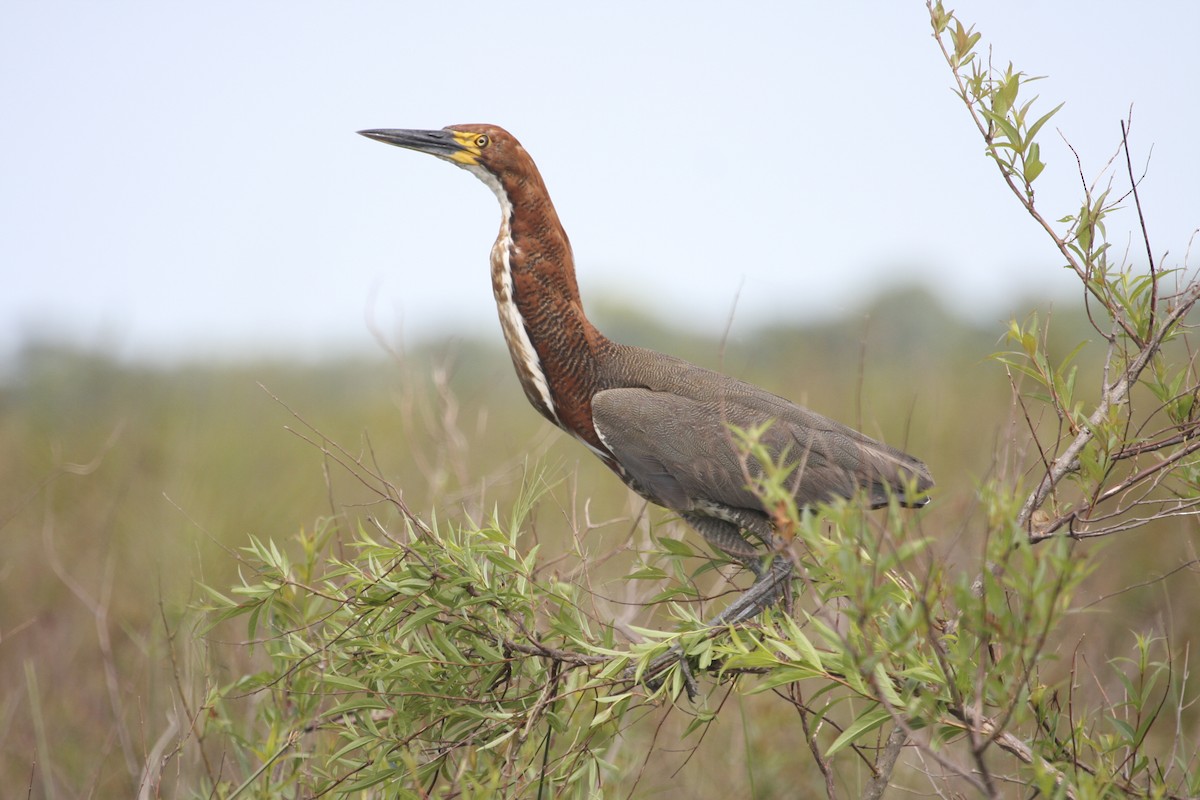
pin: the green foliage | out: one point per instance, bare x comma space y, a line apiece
1115, 448
411, 665
395, 654
135, 483
444, 660
441, 660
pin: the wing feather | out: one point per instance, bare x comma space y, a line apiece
679, 452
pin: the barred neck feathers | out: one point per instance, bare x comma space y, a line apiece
552, 344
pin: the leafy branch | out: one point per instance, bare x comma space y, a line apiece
1143, 321
448, 660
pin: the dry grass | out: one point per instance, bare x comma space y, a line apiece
122, 487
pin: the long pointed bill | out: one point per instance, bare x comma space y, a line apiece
449, 145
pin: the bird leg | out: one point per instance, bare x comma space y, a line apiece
768, 585
771, 583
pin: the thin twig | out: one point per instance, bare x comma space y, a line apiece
1113, 395
1137, 202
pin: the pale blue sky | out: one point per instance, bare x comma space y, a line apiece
184, 178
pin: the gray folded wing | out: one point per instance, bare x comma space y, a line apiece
679, 451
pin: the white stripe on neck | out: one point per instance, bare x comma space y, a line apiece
516, 335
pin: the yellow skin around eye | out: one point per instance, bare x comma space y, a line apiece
469, 155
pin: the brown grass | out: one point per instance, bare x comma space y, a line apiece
122, 487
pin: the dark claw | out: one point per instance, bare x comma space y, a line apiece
759, 597
768, 587
689, 679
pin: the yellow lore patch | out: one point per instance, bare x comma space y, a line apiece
469, 155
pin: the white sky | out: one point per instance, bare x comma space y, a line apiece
184, 178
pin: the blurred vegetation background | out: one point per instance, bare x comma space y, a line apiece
123, 486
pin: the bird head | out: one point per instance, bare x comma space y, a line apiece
471, 147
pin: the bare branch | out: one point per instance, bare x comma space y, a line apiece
886, 763
1113, 395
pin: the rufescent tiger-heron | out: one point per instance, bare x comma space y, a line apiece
661, 424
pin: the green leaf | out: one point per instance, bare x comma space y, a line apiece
1033, 165
1037, 126
867, 722
343, 682
419, 618
676, 547
781, 677
1007, 128
604, 716
811, 656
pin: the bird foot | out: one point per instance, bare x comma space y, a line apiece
760, 596
659, 665
769, 586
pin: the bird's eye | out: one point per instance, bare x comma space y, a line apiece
481, 140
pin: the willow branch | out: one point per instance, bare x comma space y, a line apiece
1113, 396
1007, 174
885, 764
1124, 486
